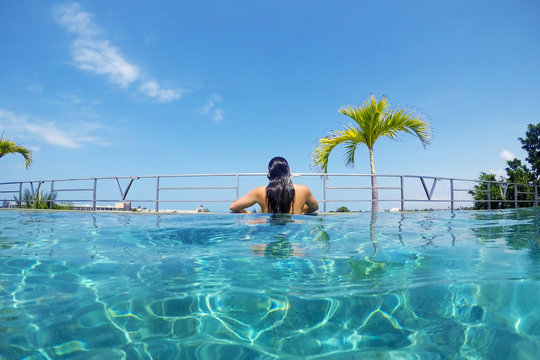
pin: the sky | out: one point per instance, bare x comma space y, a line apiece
123, 88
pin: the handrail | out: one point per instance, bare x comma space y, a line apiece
428, 189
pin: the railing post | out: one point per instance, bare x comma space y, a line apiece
451, 194
324, 193
515, 196
51, 203
489, 195
237, 186
94, 195
503, 194
20, 194
157, 193
402, 194
536, 195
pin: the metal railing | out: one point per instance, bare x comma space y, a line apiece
532, 191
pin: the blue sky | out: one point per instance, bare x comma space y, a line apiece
100, 88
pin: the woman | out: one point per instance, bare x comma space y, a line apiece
281, 195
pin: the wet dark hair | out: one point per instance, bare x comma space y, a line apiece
280, 189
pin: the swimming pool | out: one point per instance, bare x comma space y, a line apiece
418, 285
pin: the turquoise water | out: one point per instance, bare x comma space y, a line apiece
426, 285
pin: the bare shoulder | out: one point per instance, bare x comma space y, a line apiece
259, 191
301, 189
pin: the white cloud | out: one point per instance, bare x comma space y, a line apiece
90, 53
210, 108
96, 55
99, 57
75, 136
217, 114
154, 90
507, 155
76, 20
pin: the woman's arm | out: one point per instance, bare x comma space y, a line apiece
311, 203
246, 201
305, 196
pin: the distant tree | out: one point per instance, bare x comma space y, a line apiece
531, 144
480, 193
372, 120
517, 172
343, 209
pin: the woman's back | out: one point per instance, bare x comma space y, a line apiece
304, 201
302, 196
281, 195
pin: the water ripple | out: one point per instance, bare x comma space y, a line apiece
411, 285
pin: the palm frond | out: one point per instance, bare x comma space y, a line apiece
405, 120
321, 153
27, 154
372, 120
9, 147
350, 149
367, 117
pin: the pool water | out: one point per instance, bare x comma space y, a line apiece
418, 285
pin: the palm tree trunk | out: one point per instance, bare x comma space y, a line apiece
372, 226
374, 191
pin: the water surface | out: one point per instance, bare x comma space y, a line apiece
424, 285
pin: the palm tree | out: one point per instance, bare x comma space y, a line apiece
9, 147
371, 121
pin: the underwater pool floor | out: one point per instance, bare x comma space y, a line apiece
418, 285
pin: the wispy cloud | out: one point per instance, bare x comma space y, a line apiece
507, 155
210, 108
154, 90
99, 57
76, 20
76, 135
94, 54
217, 114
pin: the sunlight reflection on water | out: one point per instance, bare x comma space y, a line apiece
401, 285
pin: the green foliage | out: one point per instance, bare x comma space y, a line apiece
63, 206
500, 197
480, 193
519, 177
372, 120
531, 144
343, 209
519, 173
40, 200
9, 147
